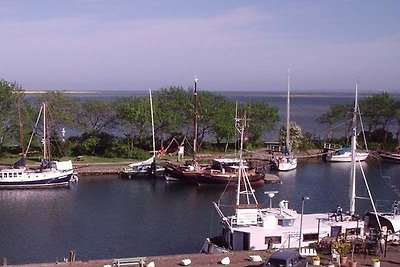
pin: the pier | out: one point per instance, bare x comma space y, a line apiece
236, 259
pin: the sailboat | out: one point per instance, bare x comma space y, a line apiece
175, 171
252, 227
146, 168
345, 154
286, 162
49, 174
221, 171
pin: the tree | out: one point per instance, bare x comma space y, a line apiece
62, 108
62, 111
224, 128
379, 111
337, 114
173, 110
95, 116
8, 107
134, 116
296, 136
263, 119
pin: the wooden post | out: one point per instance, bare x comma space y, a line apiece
72, 255
4, 261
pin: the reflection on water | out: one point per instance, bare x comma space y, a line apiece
107, 217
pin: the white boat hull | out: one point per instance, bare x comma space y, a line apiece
346, 157
285, 164
274, 235
26, 178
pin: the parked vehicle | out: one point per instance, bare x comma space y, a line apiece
286, 258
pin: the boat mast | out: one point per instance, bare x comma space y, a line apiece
21, 133
195, 119
45, 152
152, 124
352, 191
288, 113
244, 189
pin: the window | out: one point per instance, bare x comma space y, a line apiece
310, 237
274, 239
353, 231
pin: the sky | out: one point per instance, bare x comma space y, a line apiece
229, 45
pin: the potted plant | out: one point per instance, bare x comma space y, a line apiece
376, 262
342, 248
316, 260
352, 263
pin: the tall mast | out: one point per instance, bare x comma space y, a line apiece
45, 152
21, 133
195, 119
152, 124
244, 187
240, 128
352, 189
288, 113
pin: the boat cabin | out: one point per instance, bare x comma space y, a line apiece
10, 173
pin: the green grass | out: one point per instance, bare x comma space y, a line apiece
9, 159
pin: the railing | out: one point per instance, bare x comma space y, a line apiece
129, 261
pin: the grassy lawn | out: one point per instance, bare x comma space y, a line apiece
9, 159
34, 159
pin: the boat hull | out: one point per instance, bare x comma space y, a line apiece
138, 174
232, 180
361, 156
273, 236
175, 172
390, 157
61, 180
284, 164
207, 176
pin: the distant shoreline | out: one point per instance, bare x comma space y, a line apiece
304, 93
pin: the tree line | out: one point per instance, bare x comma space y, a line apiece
380, 114
121, 127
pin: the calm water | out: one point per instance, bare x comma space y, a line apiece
107, 217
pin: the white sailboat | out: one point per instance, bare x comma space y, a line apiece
147, 167
254, 228
344, 154
49, 174
286, 162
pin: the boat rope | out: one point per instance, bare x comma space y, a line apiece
387, 179
34, 130
369, 193
362, 127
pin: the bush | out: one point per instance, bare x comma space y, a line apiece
122, 151
342, 248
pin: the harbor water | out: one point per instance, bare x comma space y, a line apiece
107, 217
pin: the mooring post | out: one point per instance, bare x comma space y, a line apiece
72, 255
4, 261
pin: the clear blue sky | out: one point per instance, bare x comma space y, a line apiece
229, 45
